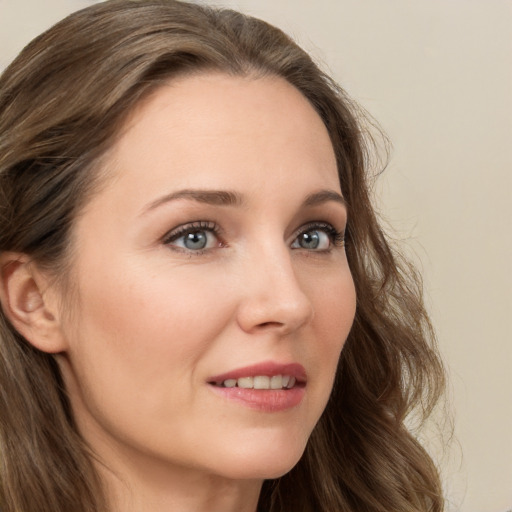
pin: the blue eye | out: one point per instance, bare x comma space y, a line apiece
318, 237
313, 240
196, 240
194, 237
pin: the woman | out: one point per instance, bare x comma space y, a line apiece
199, 309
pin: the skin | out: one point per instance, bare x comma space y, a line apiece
152, 320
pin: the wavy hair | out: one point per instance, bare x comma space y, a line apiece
62, 104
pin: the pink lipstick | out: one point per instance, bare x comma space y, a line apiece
267, 386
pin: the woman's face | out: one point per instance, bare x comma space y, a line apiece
210, 263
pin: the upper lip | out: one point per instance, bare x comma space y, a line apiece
268, 368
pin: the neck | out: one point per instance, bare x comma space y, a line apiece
141, 489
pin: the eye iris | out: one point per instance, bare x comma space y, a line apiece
310, 240
195, 240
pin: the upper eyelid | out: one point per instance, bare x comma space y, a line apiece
315, 224
213, 226
328, 226
183, 229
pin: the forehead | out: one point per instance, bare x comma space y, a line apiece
216, 130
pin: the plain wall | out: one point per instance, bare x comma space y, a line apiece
437, 75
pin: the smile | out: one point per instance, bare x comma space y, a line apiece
260, 382
266, 387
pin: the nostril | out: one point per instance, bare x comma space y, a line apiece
270, 324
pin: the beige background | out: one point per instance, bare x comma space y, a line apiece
437, 74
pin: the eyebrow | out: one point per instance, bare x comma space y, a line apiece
213, 197
230, 198
324, 196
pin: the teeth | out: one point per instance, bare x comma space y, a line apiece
261, 382
246, 382
276, 382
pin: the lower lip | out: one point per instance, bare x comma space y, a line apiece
265, 400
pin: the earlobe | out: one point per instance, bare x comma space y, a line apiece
27, 303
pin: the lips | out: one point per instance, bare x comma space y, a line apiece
267, 387
293, 371
260, 382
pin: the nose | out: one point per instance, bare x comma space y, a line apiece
272, 297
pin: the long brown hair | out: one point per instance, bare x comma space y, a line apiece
62, 103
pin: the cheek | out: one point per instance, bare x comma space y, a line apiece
153, 311
334, 305
334, 302
139, 332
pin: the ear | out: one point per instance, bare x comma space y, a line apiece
29, 302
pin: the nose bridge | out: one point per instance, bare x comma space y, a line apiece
274, 297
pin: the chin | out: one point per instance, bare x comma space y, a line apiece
264, 463
257, 470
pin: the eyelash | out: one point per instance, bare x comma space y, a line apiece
337, 238
193, 227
